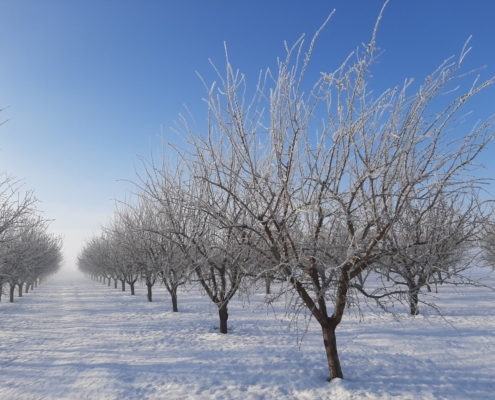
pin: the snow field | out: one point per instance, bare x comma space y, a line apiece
78, 339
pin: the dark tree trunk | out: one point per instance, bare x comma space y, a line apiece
26, 288
172, 289
149, 285
123, 285
131, 284
330, 342
173, 294
268, 282
413, 299
12, 291
224, 316
20, 285
109, 281
115, 283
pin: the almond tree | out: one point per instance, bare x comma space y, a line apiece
32, 254
123, 250
137, 243
301, 162
196, 231
95, 259
433, 245
164, 251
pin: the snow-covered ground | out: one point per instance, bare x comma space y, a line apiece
77, 339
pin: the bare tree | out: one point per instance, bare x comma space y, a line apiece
164, 251
32, 254
301, 163
95, 259
213, 251
27, 250
123, 250
432, 244
138, 244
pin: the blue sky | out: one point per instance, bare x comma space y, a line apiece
92, 83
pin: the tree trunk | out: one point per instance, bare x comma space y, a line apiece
330, 342
109, 281
26, 288
32, 285
174, 299
268, 282
12, 291
20, 285
36, 283
123, 285
115, 283
224, 316
150, 295
413, 299
131, 284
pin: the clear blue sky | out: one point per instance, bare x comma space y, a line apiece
91, 83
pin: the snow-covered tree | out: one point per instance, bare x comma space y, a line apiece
301, 162
32, 254
432, 244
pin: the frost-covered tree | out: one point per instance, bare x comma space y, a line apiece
136, 246
125, 253
27, 251
432, 244
164, 250
211, 250
304, 161
32, 254
95, 259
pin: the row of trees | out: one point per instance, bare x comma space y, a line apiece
28, 251
342, 194
131, 248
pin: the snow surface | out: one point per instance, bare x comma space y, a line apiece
77, 339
